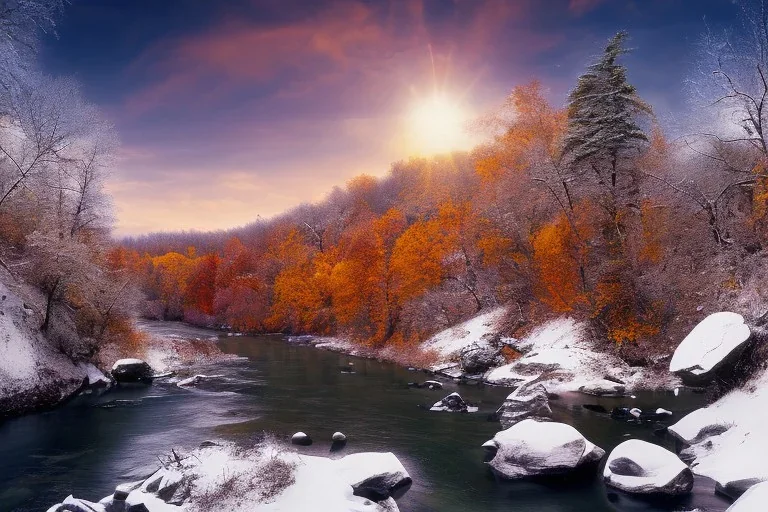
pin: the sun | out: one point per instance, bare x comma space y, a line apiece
437, 124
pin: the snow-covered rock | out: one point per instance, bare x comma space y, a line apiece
265, 479
301, 439
603, 387
95, 377
338, 437
474, 332
453, 403
715, 342
477, 359
639, 467
755, 499
376, 476
524, 402
727, 438
700, 425
33, 373
132, 371
531, 448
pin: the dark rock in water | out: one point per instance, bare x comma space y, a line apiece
208, 444
347, 369
531, 402
621, 413
477, 359
337, 446
132, 371
453, 403
301, 439
382, 487
429, 384
660, 430
595, 408
736, 488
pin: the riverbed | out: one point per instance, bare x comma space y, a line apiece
88, 446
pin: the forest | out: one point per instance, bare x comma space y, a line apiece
598, 210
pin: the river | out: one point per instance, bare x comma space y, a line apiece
88, 446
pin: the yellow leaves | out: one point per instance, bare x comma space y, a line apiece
555, 254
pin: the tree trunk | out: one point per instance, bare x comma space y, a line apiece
49, 305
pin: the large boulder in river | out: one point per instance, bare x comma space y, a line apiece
477, 359
527, 402
375, 476
639, 467
715, 343
453, 403
532, 448
132, 371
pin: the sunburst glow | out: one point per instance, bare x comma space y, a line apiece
438, 124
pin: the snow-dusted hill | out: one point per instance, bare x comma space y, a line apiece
33, 374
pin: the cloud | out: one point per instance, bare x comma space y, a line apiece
316, 93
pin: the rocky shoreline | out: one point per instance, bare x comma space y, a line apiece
223, 476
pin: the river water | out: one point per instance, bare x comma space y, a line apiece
88, 446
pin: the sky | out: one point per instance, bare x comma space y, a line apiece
232, 110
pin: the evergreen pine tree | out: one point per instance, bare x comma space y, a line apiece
602, 113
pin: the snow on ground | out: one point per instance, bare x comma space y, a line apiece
268, 478
32, 373
711, 341
559, 354
559, 347
477, 330
336, 345
740, 452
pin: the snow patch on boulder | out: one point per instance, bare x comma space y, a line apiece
709, 345
728, 441
754, 500
531, 448
639, 467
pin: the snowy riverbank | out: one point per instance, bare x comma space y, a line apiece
34, 374
558, 353
268, 477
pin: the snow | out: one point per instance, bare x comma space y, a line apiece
657, 469
319, 484
29, 365
737, 448
753, 500
531, 448
709, 343
94, 375
559, 354
126, 362
477, 330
